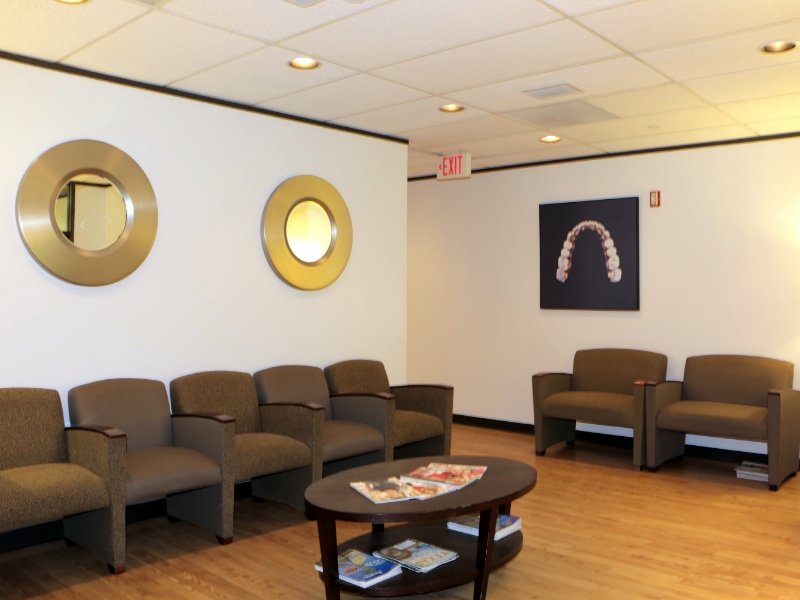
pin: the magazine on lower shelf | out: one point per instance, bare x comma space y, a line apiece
753, 471
363, 570
455, 475
506, 525
417, 556
397, 489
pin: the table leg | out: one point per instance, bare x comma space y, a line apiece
485, 547
505, 509
326, 528
377, 527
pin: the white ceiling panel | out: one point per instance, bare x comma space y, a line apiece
507, 144
725, 55
402, 30
579, 7
52, 30
657, 99
553, 153
138, 51
463, 131
655, 23
764, 109
678, 138
260, 76
679, 120
545, 48
747, 85
776, 126
269, 20
614, 75
411, 115
344, 97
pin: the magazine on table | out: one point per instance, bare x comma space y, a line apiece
417, 556
397, 489
363, 570
455, 475
506, 525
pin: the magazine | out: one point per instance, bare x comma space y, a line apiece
456, 475
506, 525
753, 471
363, 570
416, 556
388, 490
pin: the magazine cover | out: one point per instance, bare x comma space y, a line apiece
362, 569
388, 490
457, 475
428, 489
506, 525
417, 555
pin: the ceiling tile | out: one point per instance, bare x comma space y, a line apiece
565, 114
657, 99
579, 7
678, 138
402, 30
462, 131
411, 115
764, 109
269, 20
747, 85
614, 75
160, 48
51, 30
724, 55
544, 48
776, 126
678, 120
506, 144
655, 23
258, 77
344, 97
535, 156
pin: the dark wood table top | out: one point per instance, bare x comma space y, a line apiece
504, 480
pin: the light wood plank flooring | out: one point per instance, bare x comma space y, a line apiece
594, 529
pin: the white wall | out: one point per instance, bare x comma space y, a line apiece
206, 297
720, 271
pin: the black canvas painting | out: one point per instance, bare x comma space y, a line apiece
589, 254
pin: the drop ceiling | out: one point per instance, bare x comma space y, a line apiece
641, 73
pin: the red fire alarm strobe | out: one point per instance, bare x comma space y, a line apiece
455, 166
655, 199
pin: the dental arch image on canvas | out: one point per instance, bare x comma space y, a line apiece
612, 257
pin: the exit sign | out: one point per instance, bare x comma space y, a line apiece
455, 166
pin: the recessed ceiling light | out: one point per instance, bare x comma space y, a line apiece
73, 1
451, 108
303, 62
551, 139
776, 47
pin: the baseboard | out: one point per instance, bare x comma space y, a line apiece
618, 441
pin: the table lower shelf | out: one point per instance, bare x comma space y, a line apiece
453, 574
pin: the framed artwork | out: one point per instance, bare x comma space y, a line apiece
589, 254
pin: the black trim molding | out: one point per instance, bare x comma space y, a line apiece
45, 64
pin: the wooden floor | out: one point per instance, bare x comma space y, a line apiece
594, 529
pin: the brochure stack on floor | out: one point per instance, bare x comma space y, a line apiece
363, 570
422, 483
753, 471
506, 525
416, 556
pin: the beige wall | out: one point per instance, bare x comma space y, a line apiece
720, 270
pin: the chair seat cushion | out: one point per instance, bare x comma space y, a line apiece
259, 454
40, 493
719, 419
158, 472
602, 408
411, 426
343, 439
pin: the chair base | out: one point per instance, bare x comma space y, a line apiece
70, 543
637, 468
540, 452
172, 519
773, 488
116, 570
224, 541
652, 469
258, 500
571, 443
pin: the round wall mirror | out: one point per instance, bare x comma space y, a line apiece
90, 212
309, 231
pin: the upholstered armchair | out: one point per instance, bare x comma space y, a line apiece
606, 387
355, 427
49, 473
729, 396
423, 415
273, 445
187, 459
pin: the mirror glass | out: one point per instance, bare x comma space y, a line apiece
90, 211
309, 231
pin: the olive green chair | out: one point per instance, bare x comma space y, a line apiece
49, 473
606, 387
728, 396
273, 443
422, 419
186, 459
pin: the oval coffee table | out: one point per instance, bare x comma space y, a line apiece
332, 499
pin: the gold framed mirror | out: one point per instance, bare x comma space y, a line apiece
306, 232
87, 213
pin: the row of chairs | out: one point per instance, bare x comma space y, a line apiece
282, 429
729, 396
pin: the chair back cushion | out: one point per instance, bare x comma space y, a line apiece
31, 428
614, 370
293, 384
139, 407
218, 392
357, 377
735, 379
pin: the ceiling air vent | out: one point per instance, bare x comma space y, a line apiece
303, 3
551, 91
